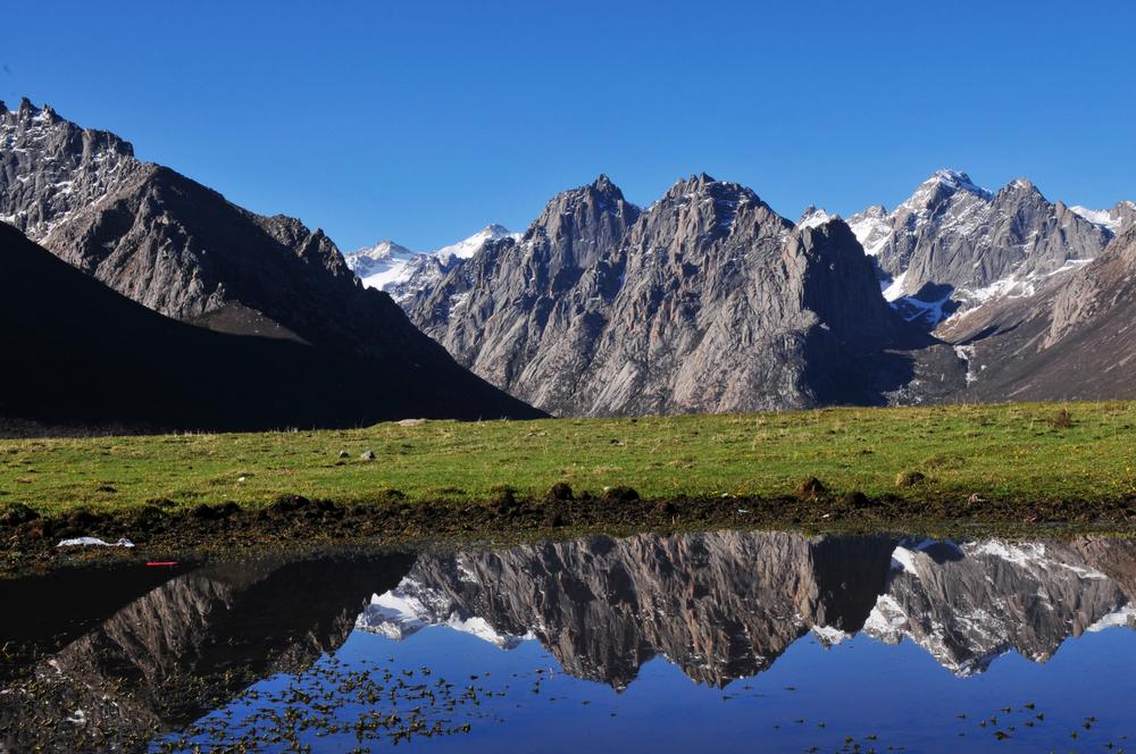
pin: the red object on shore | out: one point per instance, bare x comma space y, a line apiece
161, 563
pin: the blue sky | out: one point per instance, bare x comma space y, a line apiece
424, 121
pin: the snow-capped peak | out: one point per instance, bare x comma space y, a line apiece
943, 184
382, 250
380, 265
401, 272
412, 606
814, 217
466, 248
872, 228
955, 179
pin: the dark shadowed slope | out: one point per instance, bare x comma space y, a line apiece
77, 352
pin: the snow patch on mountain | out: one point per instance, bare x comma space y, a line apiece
872, 229
814, 217
1125, 617
829, 636
412, 606
389, 267
1115, 219
381, 265
467, 247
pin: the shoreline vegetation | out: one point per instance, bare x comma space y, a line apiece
1014, 468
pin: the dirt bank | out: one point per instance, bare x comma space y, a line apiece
161, 531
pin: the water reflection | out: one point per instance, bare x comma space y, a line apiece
338, 652
162, 660
721, 605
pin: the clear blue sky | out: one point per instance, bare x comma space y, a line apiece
423, 121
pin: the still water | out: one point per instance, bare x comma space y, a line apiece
735, 641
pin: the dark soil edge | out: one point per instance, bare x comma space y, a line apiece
293, 524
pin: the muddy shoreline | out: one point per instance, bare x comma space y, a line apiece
296, 524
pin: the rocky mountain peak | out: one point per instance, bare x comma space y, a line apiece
604, 185
50, 167
938, 190
597, 210
702, 184
955, 243
701, 205
1019, 189
708, 301
814, 217
384, 249
495, 229
183, 250
956, 180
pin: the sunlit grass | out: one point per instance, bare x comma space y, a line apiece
1007, 451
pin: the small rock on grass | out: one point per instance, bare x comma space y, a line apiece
811, 488
856, 500
620, 494
560, 491
367, 455
17, 513
910, 478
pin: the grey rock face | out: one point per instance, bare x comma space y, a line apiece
951, 233
706, 301
50, 168
1074, 339
1122, 217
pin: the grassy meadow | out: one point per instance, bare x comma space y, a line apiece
1017, 452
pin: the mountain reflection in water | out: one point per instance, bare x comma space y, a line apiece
339, 652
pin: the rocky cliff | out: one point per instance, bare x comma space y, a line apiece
952, 240
705, 301
1075, 338
969, 603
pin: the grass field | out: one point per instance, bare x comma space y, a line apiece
1020, 452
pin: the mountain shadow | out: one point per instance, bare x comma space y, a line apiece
77, 352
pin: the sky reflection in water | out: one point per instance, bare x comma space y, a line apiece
739, 641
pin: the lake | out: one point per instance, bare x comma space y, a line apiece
731, 640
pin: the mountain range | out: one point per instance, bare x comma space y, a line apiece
706, 300
186, 253
401, 272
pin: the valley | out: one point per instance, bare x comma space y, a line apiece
649, 378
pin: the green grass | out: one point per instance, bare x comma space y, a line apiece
1011, 452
